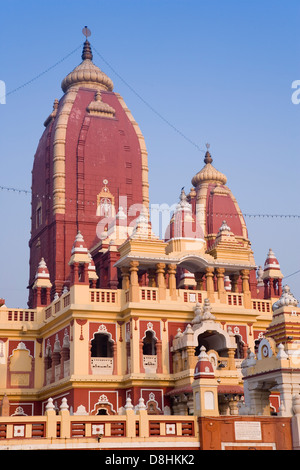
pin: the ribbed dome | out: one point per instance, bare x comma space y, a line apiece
87, 73
209, 173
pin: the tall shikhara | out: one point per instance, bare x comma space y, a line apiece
90, 164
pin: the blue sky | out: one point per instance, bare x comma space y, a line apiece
218, 71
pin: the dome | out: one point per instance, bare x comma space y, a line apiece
87, 73
209, 173
271, 261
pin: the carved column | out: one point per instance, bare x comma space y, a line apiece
55, 362
172, 281
159, 357
279, 287
142, 369
128, 358
191, 358
246, 288
231, 361
125, 278
221, 288
65, 356
210, 284
161, 283
134, 281
115, 359
75, 273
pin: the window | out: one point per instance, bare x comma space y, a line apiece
149, 344
102, 346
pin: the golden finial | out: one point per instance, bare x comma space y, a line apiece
207, 158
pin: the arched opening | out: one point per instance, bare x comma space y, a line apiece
149, 344
102, 411
239, 353
101, 345
212, 340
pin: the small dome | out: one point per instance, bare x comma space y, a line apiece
204, 367
87, 73
209, 173
42, 270
79, 244
271, 261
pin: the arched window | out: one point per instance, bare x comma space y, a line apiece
102, 345
149, 344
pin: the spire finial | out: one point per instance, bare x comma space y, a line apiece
207, 158
86, 32
87, 51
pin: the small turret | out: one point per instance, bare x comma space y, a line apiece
272, 276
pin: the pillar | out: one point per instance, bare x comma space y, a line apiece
286, 399
51, 425
233, 404
4, 408
161, 283
125, 278
205, 396
210, 284
38, 296
75, 273
259, 401
246, 288
141, 344
115, 359
128, 357
134, 281
172, 281
55, 362
231, 361
221, 288
65, 356
159, 356
113, 281
191, 358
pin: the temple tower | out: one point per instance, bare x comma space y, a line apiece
90, 174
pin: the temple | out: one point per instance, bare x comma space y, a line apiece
133, 337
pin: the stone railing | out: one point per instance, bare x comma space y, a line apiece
263, 306
13, 315
137, 429
234, 300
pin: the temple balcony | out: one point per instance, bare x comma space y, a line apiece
117, 299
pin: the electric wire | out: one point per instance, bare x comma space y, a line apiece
148, 104
41, 73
